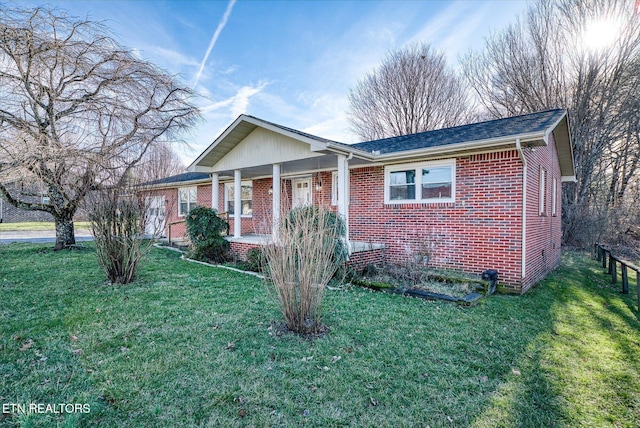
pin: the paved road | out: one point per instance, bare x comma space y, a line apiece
39, 236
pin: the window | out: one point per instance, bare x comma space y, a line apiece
187, 198
554, 196
424, 182
246, 198
543, 191
45, 198
334, 188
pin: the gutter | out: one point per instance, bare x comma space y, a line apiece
524, 207
174, 184
439, 150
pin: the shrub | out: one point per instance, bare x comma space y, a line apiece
117, 221
204, 229
305, 254
323, 219
256, 259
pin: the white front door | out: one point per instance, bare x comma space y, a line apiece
301, 192
155, 220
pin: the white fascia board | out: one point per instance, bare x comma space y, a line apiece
174, 185
555, 124
221, 137
568, 179
341, 149
198, 168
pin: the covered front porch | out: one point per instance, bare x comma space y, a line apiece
259, 171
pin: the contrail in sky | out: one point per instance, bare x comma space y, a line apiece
212, 43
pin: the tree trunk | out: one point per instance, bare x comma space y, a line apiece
65, 234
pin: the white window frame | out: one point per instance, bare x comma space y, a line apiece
542, 208
190, 204
230, 186
418, 166
554, 198
334, 188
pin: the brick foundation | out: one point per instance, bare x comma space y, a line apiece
239, 250
363, 258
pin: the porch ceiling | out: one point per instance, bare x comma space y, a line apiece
295, 167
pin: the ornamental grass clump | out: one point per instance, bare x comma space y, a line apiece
118, 220
306, 252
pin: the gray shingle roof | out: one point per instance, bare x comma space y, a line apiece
187, 176
517, 125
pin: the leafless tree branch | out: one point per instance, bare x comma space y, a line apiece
412, 91
77, 110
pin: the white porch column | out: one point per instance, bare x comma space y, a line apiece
237, 203
275, 211
343, 193
215, 191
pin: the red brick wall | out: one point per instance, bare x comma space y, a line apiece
361, 259
480, 230
544, 232
239, 250
171, 207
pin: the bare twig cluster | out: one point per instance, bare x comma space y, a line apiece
412, 91
118, 220
301, 260
545, 61
77, 110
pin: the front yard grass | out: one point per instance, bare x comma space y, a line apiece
192, 345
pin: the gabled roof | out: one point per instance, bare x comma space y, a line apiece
291, 130
512, 127
528, 130
241, 128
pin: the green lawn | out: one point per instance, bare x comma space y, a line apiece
38, 225
191, 345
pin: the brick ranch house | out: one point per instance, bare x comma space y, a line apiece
474, 197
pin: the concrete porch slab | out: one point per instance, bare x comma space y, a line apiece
257, 239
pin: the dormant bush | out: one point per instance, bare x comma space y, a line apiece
306, 252
118, 220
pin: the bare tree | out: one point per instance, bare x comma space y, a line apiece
77, 110
160, 161
546, 61
412, 91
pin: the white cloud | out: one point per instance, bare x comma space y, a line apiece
212, 43
335, 128
172, 57
441, 24
238, 103
241, 100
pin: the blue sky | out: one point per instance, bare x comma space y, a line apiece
289, 62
